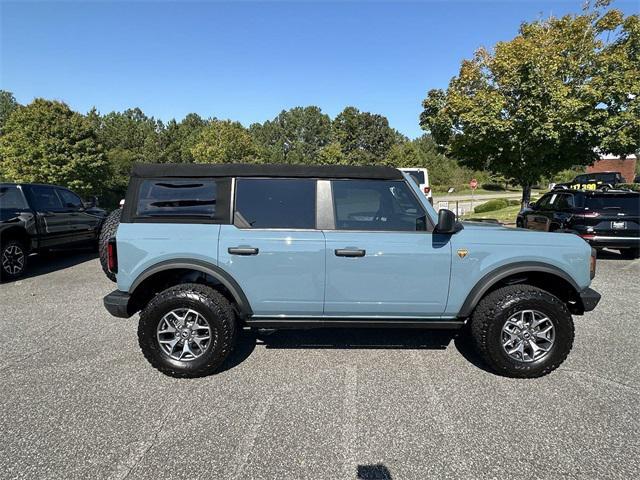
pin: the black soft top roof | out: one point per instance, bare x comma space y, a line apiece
147, 170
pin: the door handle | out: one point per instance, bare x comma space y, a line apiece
243, 251
350, 252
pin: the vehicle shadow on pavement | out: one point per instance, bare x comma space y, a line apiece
610, 255
363, 339
43, 263
374, 472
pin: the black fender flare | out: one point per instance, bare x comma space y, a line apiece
500, 273
205, 267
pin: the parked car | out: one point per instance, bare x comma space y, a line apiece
593, 181
604, 218
421, 177
203, 251
36, 217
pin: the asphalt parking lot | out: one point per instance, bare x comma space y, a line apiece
78, 400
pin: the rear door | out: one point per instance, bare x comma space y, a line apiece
82, 223
382, 258
273, 249
54, 226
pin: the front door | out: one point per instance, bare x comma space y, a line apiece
382, 258
273, 249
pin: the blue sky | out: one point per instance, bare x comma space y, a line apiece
247, 61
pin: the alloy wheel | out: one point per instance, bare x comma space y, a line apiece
184, 334
13, 259
527, 336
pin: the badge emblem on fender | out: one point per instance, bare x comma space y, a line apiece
462, 252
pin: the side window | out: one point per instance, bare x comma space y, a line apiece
45, 198
176, 198
275, 203
11, 197
376, 205
69, 199
548, 201
564, 202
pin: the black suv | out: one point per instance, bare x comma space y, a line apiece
35, 217
603, 217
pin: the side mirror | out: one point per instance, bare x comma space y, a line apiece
532, 205
447, 222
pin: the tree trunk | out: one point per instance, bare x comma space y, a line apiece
526, 195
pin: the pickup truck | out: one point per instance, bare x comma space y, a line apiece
36, 217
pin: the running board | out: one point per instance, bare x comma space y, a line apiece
279, 322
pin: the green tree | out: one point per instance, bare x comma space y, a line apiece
331, 154
8, 104
177, 139
127, 137
224, 141
365, 138
294, 136
536, 105
47, 142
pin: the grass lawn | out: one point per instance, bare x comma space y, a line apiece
504, 215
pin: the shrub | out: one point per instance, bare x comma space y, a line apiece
513, 202
491, 205
631, 186
493, 187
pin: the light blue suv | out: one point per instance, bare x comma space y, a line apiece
204, 251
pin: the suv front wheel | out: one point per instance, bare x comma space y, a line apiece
522, 331
187, 331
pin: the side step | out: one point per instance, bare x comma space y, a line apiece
280, 323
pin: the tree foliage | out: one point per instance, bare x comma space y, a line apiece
294, 136
224, 141
365, 138
8, 104
544, 101
47, 142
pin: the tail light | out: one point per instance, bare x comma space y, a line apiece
426, 190
112, 255
592, 263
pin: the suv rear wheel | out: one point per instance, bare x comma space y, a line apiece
522, 331
187, 330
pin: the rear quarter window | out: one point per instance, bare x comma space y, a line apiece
11, 198
629, 204
177, 198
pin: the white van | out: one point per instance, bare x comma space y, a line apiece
421, 176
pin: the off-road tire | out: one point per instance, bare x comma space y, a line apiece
207, 302
497, 307
7, 245
108, 230
630, 253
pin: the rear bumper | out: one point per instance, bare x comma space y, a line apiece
118, 304
613, 241
589, 298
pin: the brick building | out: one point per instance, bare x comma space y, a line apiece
609, 163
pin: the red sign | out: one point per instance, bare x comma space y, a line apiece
473, 183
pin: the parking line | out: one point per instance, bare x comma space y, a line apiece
247, 441
349, 430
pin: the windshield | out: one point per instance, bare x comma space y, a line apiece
11, 198
417, 175
629, 204
597, 177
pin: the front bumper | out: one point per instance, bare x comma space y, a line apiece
589, 298
118, 304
